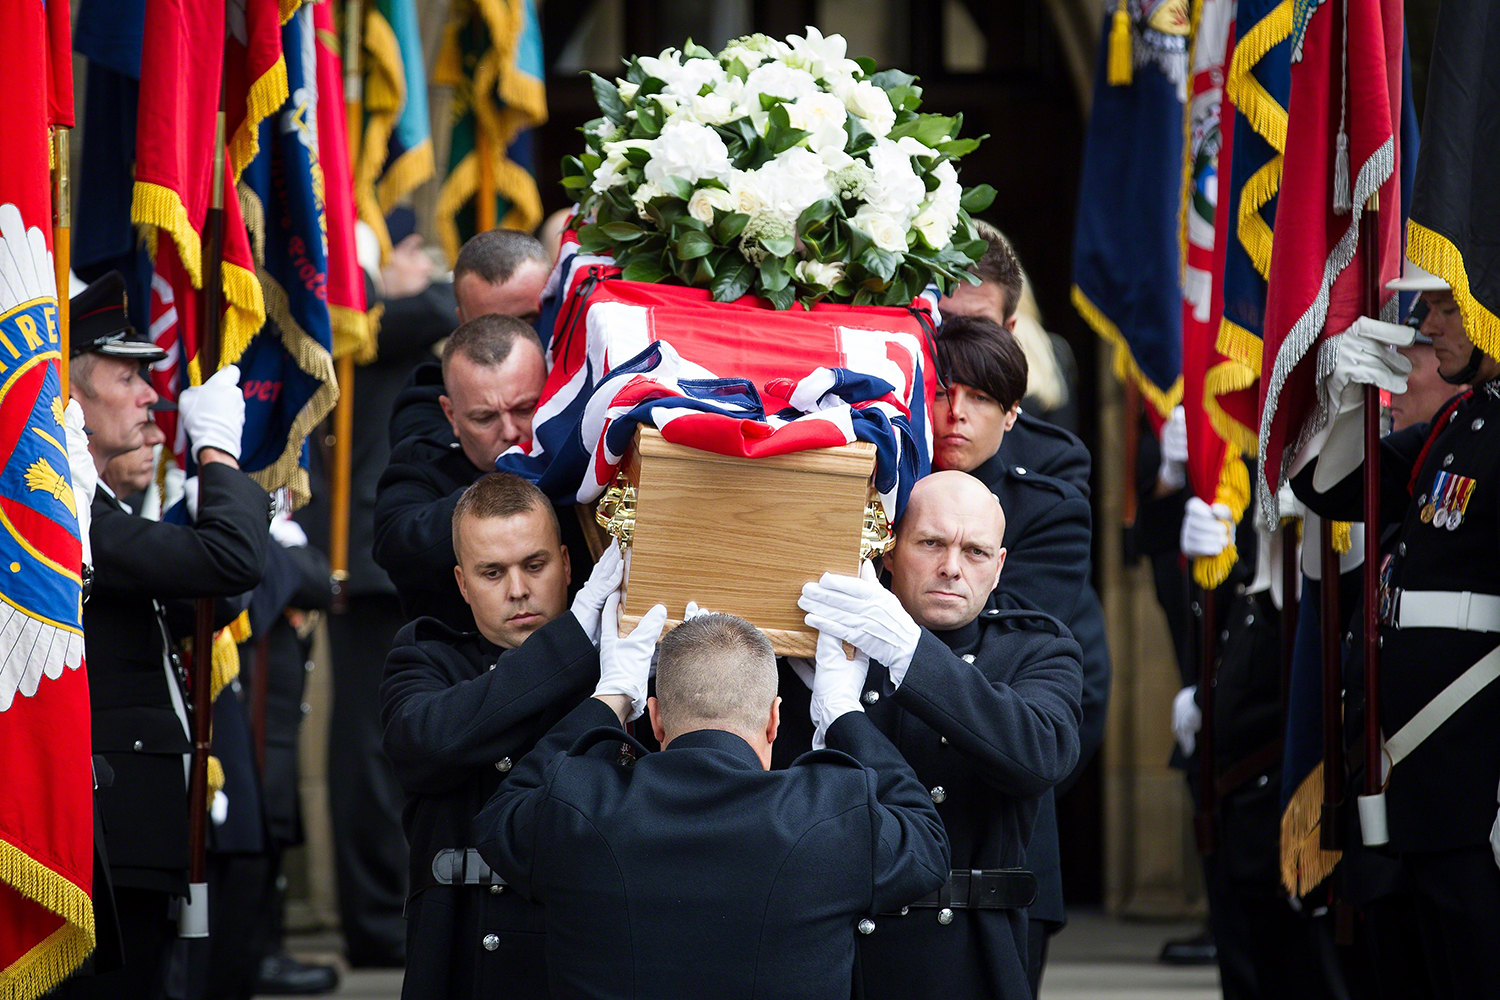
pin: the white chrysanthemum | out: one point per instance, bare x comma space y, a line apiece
939, 213
822, 116
694, 75
717, 108
688, 150
775, 79
894, 188
820, 56
868, 103
887, 233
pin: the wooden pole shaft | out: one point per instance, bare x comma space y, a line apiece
1132, 439
484, 197
341, 478
1333, 705
1370, 578
62, 245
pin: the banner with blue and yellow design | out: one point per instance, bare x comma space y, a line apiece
395, 152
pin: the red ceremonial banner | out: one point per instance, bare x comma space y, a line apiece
46, 807
1343, 120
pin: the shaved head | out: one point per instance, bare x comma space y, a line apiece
949, 550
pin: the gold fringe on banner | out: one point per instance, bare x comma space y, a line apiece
1434, 252
61, 952
375, 194
265, 98
1268, 118
1304, 863
1126, 368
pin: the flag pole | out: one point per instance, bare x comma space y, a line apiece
1374, 746
484, 198
195, 914
62, 244
1330, 828
1208, 771
341, 476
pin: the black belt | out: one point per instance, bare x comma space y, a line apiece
455, 867
993, 889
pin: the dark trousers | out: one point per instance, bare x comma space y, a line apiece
147, 933
1038, 936
1457, 896
238, 888
365, 801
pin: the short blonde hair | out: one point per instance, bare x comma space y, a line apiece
715, 671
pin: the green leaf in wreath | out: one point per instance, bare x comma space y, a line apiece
860, 138
773, 277
592, 239
642, 268
608, 97
732, 281
977, 199
577, 182
623, 232
866, 65
731, 225
881, 263
960, 147
929, 130
782, 298
781, 247
693, 244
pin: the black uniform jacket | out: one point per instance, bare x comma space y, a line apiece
1442, 796
987, 738
138, 563
414, 505
695, 873
454, 728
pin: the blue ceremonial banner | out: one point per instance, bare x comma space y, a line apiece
396, 151
1127, 255
287, 371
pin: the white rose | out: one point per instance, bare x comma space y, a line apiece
746, 193
819, 274
794, 180
884, 231
688, 150
643, 194
868, 103
776, 80
611, 172
711, 109
822, 57
894, 188
704, 200
694, 75
822, 116
934, 227
627, 90
939, 213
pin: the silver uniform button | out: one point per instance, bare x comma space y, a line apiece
1401, 548
1020, 471
943, 740
502, 765
1447, 460
871, 697
905, 910
306, 708
939, 794
139, 746
491, 942
496, 890
1478, 423
945, 916
968, 657
867, 926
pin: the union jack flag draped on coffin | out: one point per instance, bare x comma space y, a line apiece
736, 378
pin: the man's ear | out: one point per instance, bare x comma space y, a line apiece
458, 574
999, 569
773, 724
1010, 324
447, 405
653, 709
567, 561
1012, 415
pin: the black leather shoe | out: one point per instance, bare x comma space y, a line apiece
283, 975
1196, 950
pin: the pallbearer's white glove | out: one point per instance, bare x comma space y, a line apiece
864, 614
1174, 451
1362, 355
693, 611
1187, 719
1206, 531
589, 603
625, 661
837, 683
84, 475
213, 414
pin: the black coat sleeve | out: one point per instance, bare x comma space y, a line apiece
507, 828
1047, 567
413, 527
221, 555
909, 843
1023, 735
438, 729
412, 324
418, 411
1344, 501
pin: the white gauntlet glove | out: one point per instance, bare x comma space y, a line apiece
1360, 356
1174, 451
589, 603
213, 414
625, 661
864, 614
84, 475
1187, 719
837, 682
1206, 531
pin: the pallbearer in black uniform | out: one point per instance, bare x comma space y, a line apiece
985, 704
1440, 628
697, 872
461, 708
137, 699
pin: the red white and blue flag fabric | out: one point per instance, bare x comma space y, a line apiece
46, 805
735, 378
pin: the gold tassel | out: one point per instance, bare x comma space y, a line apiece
1304, 863
215, 778
1120, 67
1341, 540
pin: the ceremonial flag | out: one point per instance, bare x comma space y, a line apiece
396, 153
287, 372
627, 351
46, 810
1216, 469
1126, 252
1342, 125
254, 75
1454, 215
353, 328
182, 61
492, 58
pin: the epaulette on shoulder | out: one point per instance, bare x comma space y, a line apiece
1024, 620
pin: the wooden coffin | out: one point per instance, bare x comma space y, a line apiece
741, 535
